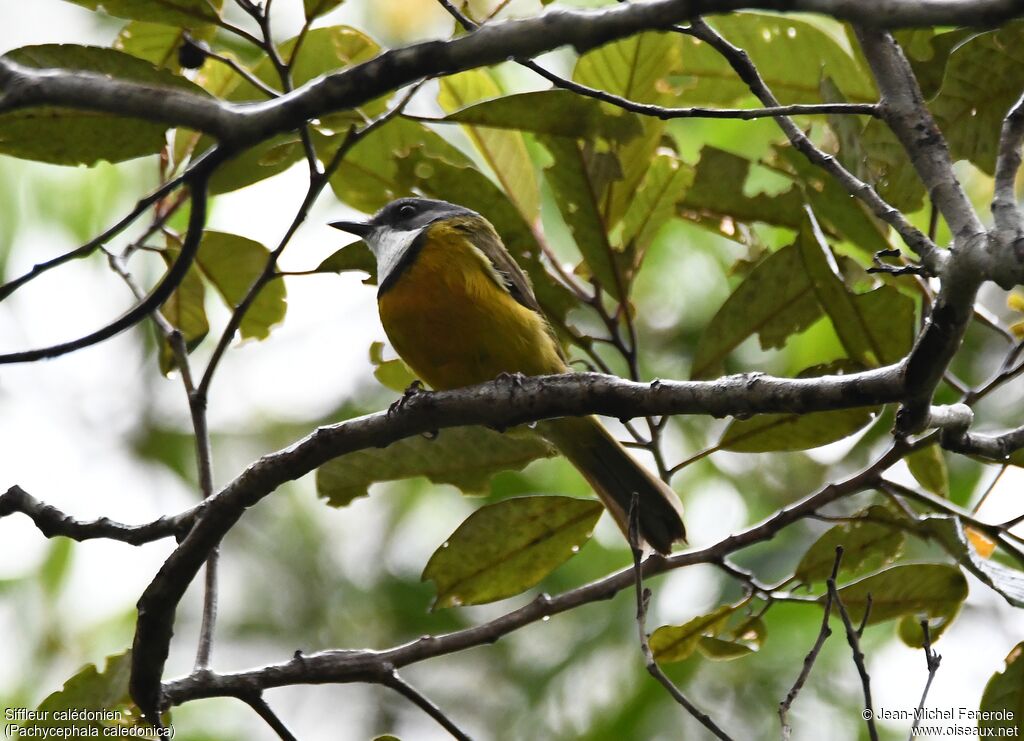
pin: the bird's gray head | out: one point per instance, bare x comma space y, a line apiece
393, 230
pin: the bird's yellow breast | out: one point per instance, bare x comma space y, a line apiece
454, 325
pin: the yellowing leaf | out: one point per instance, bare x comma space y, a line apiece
505, 548
982, 544
672, 643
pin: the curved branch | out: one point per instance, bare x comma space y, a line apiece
500, 404
249, 123
196, 178
341, 666
52, 522
89, 247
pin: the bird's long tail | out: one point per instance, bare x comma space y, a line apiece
615, 475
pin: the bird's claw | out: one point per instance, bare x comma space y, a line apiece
516, 379
415, 388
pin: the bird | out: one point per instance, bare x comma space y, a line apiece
459, 311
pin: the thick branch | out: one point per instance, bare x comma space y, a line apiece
904, 110
246, 124
1005, 210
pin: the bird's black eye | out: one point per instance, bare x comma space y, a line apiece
407, 211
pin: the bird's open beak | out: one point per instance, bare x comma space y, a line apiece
359, 228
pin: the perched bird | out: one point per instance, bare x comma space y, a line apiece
460, 311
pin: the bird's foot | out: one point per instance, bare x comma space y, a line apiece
415, 388
515, 379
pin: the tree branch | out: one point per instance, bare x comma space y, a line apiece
853, 638
968, 266
745, 69
423, 702
805, 671
51, 522
1005, 210
89, 247
643, 599
196, 178
156, 606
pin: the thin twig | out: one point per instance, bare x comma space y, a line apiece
406, 690
823, 635
317, 183
853, 638
932, 660
257, 703
643, 598
741, 64
89, 247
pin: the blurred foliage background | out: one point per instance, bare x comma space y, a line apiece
105, 432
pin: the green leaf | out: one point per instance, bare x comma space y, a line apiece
839, 214
505, 548
70, 137
465, 457
1003, 698
672, 643
717, 649
867, 545
174, 12
232, 263
259, 162
775, 301
635, 68
316, 8
875, 328
718, 192
791, 55
185, 310
928, 52
353, 256
932, 590
56, 566
555, 112
654, 203
889, 169
157, 43
91, 689
577, 181
928, 466
325, 50
503, 151
984, 77
780, 432
383, 165
392, 374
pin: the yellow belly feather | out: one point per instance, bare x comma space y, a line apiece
454, 326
